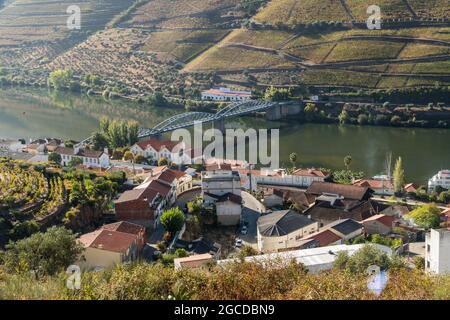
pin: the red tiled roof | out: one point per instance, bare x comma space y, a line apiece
82, 153
124, 226
113, 241
218, 166
376, 184
157, 144
309, 173
347, 191
384, 219
411, 187
325, 237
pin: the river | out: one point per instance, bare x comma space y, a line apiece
32, 113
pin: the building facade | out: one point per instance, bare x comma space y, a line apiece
441, 179
437, 251
89, 158
225, 94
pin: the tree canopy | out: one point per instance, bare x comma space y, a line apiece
427, 216
44, 253
172, 220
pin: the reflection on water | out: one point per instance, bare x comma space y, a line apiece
31, 114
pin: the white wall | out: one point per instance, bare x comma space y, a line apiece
437, 251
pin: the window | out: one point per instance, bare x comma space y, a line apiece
428, 264
428, 248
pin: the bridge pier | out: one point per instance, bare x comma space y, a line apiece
274, 113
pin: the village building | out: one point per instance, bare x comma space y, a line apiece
89, 158
440, 179
225, 94
283, 230
437, 253
315, 260
156, 149
11, 145
379, 224
380, 187
198, 247
219, 183
326, 237
145, 203
193, 262
111, 245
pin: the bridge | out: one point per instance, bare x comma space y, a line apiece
188, 119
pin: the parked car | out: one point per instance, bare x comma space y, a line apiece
244, 230
238, 243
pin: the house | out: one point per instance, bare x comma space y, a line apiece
437, 253
273, 197
41, 146
145, 203
191, 262
225, 94
198, 247
131, 228
90, 158
325, 238
348, 192
380, 187
111, 245
10, 145
330, 208
379, 224
219, 183
411, 188
346, 229
441, 179
300, 178
315, 260
397, 211
179, 181
283, 230
156, 149
305, 177
228, 209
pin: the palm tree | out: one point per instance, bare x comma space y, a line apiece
293, 157
347, 161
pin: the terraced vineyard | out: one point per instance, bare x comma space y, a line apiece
20, 186
33, 32
186, 43
28, 191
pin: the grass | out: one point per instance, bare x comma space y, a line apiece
305, 11
218, 58
182, 45
314, 53
413, 50
364, 50
339, 78
389, 9
431, 8
392, 82
181, 13
442, 67
260, 38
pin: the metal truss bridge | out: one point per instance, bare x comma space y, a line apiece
188, 119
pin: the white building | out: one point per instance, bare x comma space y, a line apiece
283, 230
90, 158
442, 179
315, 259
301, 178
219, 183
9, 145
156, 149
437, 253
225, 94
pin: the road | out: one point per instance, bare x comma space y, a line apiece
251, 211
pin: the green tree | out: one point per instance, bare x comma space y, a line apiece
399, 176
348, 161
427, 216
60, 79
293, 157
99, 141
55, 157
44, 253
172, 220
128, 156
163, 162
343, 117
76, 161
277, 94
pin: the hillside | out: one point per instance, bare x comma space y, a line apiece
182, 46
